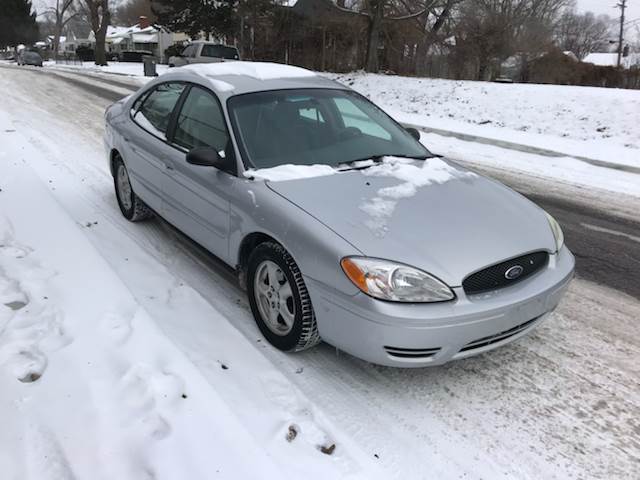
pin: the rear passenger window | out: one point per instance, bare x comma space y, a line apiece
201, 123
155, 112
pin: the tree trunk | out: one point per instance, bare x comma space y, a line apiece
100, 17
375, 25
101, 34
482, 70
56, 40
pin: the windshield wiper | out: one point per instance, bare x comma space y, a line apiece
414, 157
364, 163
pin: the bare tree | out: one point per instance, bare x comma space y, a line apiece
490, 31
99, 17
60, 14
381, 12
430, 25
582, 33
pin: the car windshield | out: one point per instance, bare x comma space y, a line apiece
220, 51
316, 126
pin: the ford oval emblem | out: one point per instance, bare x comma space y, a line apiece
514, 272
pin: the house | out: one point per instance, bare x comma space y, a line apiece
572, 56
78, 34
61, 42
611, 60
143, 36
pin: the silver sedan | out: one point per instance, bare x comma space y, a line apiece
340, 224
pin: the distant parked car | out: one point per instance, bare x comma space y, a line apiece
204, 52
29, 58
134, 55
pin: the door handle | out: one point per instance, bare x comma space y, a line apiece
168, 167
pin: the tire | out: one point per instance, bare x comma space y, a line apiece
303, 331
131, 206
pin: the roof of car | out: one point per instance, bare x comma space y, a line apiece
210, 43
237, 77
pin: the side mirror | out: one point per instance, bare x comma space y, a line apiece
413, 132
209, 157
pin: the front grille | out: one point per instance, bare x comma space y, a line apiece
416, 353
498, 337
495, 277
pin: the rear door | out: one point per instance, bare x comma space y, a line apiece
197, 197
146, 144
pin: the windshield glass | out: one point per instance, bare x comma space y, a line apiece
220, 51
315, 126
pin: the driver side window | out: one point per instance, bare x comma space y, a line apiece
155, 112
201, 123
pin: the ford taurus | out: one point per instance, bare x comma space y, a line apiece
341, 225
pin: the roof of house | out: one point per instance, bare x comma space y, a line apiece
77, 29
611, 59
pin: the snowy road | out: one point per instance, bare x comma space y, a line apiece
561, 403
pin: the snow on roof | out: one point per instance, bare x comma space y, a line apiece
256, 70
145, 37
115, 32
611, 59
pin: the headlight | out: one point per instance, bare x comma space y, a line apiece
557, 231
391, 281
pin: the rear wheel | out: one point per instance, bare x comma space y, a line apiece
279, 299
131, 206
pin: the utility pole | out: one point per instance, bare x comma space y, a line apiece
622, 6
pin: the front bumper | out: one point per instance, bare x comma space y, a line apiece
417, 335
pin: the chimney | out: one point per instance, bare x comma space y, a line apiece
143, 22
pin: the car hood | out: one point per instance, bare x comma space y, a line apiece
433, 215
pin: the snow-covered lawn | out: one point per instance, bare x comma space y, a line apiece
135, 69
597, 123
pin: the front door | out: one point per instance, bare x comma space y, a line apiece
196, 198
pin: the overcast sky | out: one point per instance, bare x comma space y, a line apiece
596, 6
606, 6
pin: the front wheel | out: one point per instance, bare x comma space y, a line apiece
279, 299
131, 206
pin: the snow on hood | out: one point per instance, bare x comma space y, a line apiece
257, 70
411, 173
289, 171
428, 214
412, 176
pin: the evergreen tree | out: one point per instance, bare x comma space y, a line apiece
221, 18
17, 23
192, 17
